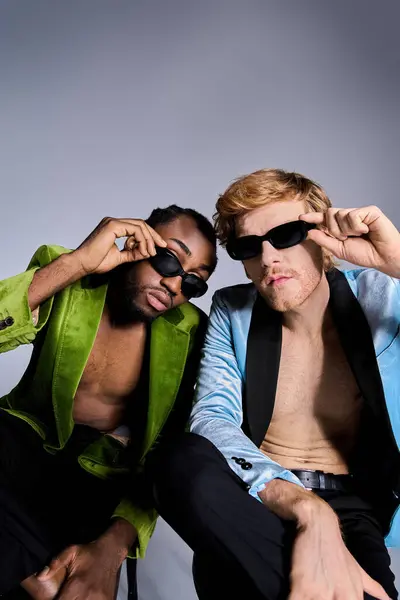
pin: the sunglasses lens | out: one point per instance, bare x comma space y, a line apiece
288, 234
244, 247
165, 263
193, 286
283, 236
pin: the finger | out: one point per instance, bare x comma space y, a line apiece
151, 245
130, 256
327, 242
62, 561
341, 217
356, 226
130, 243
372, 587
370, 215
313, 217
296, 595
159, 241
127, 228
153, 233
332, 224
138, 241
137, 250
149, 240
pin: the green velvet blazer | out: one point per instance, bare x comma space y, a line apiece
62, 340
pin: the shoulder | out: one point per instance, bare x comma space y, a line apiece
186, 317
45, 254
370, 285
235, 297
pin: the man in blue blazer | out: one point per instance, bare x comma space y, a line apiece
289, 484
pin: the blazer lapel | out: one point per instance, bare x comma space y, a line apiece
356, 339
169, 347
376, 450
78, 327
262, 368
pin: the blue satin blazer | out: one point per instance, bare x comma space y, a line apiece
237, 381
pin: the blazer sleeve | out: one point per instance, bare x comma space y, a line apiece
16, 322
218, 414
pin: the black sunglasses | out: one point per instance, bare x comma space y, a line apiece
283, 236
166, 264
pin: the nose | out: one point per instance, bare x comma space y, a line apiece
173, 284
269, 255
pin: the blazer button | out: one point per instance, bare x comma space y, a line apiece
238, 461
9, 321
246, 466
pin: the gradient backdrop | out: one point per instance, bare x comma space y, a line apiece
115, 107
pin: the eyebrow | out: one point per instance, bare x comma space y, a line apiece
182, 245
188, 252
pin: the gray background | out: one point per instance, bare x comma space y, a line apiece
115, 107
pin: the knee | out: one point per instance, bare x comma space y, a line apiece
184, 468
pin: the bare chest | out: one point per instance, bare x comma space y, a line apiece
110, 377
114, 364
315, 383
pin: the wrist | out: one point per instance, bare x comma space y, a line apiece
119, 538
310, 511
73, 266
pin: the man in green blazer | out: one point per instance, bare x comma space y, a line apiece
116, 349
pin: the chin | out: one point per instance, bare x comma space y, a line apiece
282, 304
143, 313
132, 313
290, 296
284, 301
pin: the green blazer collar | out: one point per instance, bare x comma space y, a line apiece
170, 344
78, 329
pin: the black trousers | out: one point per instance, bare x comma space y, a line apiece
242, 550
47, 502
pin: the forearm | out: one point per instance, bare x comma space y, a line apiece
294, 503
119, 538
53, 278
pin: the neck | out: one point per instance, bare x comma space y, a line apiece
310, 317
116, 322
118, 310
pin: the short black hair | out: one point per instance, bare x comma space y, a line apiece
162, 216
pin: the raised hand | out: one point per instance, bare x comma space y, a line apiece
363, 236
99, 253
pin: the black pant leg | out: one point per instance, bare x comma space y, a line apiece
208, 505
242, 550
46, 502
364, 538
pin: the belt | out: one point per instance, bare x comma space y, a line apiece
318, 480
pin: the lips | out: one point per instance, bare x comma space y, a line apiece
158, 300
275, 279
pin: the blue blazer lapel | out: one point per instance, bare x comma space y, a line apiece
262, 368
